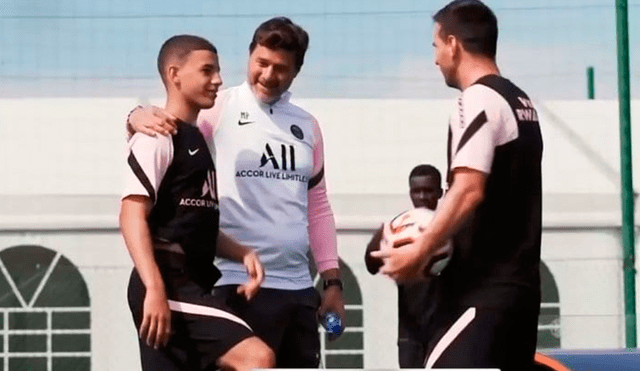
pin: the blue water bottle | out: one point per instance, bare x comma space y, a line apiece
332, 324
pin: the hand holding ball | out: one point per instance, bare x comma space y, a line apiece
406, 228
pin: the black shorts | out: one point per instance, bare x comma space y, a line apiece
284, 319
502, 338
203, 330
416, 305
411, 353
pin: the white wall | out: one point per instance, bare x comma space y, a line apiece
55, 151
76, 145
105, 265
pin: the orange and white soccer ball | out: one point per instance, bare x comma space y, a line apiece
405, 228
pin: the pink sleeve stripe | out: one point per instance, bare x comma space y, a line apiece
318, 149
322, 229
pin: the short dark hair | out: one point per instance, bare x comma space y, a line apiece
426, 170
282, 33
180, 46
471, 22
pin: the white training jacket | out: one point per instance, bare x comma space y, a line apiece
272, 191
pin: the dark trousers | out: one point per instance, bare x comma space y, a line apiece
284, 319
416, 305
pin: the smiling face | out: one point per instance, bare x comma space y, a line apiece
270, 72
445, 53
198, 78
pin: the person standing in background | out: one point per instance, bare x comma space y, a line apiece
416, 301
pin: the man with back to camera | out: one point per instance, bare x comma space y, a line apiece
181, 326
492, 208
416, 301
270, 160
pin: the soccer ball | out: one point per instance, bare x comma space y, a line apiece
405, 228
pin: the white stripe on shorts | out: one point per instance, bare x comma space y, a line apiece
178, 306
451, 334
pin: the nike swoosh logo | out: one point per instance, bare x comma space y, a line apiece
244, 122
191, 153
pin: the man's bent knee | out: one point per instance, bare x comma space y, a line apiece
248, 354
